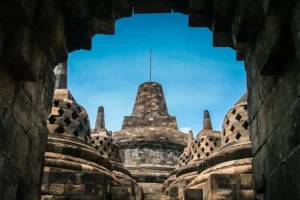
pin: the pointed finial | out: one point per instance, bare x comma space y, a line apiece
61, 73
100, 121
190, 138
206, 121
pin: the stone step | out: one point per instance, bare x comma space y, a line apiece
155, 197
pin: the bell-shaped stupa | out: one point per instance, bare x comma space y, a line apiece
150, 142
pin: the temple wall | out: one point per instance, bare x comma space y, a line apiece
274, 111
149, 156
24, 108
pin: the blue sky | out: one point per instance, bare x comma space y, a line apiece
194, 75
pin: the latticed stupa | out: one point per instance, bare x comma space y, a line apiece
75, 167
205, 144
150, 142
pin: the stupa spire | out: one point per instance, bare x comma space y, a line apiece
150, 101
207, 121
61, 73
100, 121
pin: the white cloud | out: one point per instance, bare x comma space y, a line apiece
185, 129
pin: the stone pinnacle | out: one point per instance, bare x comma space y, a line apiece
206, 121
150, 101
100, 121
61, 73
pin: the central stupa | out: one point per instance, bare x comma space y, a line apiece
150, 142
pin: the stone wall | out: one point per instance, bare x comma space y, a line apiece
274, 105
24, 107
149, 156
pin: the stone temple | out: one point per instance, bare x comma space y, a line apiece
149, 158
48, 149
150, 142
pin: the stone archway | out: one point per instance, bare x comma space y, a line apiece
36, 35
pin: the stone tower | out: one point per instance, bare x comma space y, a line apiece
150, 142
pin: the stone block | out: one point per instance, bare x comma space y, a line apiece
20, 153
45, 188
9, 178
22, 110
56, 189
245, 195
219, 187
50, 28
47, 197
74, 190
193, 194
93, 190
244, 182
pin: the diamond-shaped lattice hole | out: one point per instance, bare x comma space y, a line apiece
108, 144
96, 147
232, 128
245, 124
238, 117
193, 146
180, 158
105, 138
228, 121
68, 105
224, 132
202, 139
238, 136
245, 107
80, 126
211, 149
202, 149
104, 149
101, 142
198, 155
93, 141
186, 157
215, 144
199, 144
109, 155
206, 144
179, 165
233, 111
60, 129
207, 154
52, 119
60, 112
97, 138
68, 121
101, 153
227, 140
75, 115
55, 103
210, 139
192, 157
195, 151
76, 133
183, 160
